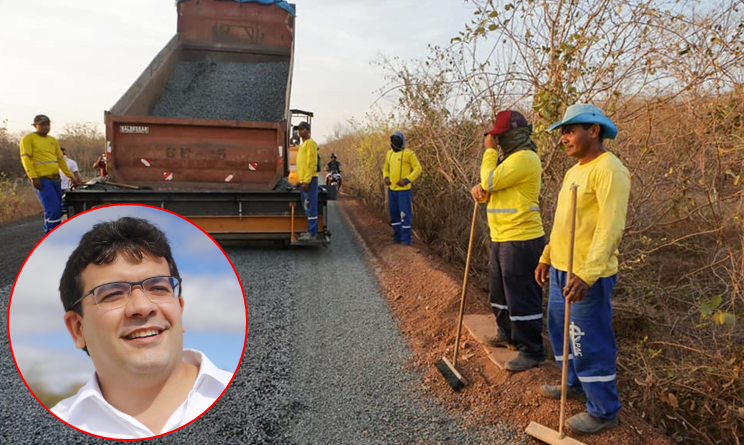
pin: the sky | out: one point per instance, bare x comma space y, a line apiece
214, 306
74, 59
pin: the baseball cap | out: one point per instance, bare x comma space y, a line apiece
304, 125
39, 118
505, 121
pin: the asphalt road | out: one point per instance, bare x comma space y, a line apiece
325, 363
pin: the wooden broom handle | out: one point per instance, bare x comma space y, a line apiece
567, 317
465, 283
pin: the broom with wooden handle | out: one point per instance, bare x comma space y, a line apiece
449, 370
534, 429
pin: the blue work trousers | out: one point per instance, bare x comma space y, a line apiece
399, 207
592, 355
516, 298
50, 197
310, 204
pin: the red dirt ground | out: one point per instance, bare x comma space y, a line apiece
423, 294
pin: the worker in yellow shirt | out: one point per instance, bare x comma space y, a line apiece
42, 160
308, 166
511, 185
400, 170
602, 201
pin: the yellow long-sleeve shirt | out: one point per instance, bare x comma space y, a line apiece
514, 186
401, 165
601, 205
307, 161
41, 156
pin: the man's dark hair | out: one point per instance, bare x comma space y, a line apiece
132, 237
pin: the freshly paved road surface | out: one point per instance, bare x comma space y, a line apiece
325, 364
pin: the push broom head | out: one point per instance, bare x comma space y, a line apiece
550, 436
454, 378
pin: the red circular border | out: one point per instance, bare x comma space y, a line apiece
10, 301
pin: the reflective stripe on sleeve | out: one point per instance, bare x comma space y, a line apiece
500, 306
535, 208
502, 210
559, 358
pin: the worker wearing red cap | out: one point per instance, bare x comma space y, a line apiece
510, 182
42, 159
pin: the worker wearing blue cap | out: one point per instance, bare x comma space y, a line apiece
603, 191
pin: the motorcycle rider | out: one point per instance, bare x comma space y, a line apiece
334, 165
334, 172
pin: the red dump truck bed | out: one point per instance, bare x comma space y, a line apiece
189, 121
205, 128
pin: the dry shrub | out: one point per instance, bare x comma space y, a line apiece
17, 198
673, 82
17, 201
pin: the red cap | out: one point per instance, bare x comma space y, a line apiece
505, 121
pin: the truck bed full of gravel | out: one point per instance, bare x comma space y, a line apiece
226, 91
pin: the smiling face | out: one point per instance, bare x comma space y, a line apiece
140, 338
579, 141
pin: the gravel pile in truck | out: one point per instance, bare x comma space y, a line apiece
225, 91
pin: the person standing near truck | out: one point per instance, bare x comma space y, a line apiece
100, 165
511, 185
72, 165
307, 173
42, 160
401, 169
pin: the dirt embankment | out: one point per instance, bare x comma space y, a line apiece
423, 294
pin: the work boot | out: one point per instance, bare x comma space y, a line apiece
305, 237
586, 423
522, 363
554, 392
499, 341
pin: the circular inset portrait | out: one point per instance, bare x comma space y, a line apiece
127, 322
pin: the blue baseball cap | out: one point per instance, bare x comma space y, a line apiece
587, 114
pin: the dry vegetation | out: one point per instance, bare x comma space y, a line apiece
17, 198
670, 74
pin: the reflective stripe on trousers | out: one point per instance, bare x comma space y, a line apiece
310, 205
50, 197
593, 350
516, 299
399, 209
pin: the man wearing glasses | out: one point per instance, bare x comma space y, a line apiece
122, 295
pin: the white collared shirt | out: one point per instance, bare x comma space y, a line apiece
89, 411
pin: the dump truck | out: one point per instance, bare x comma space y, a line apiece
205, 130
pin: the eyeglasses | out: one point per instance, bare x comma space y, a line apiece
115, 295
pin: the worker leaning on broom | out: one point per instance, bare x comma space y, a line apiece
603, 190
517, 237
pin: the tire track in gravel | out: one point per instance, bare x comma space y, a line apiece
325, 363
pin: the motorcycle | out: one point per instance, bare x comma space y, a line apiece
334, 178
